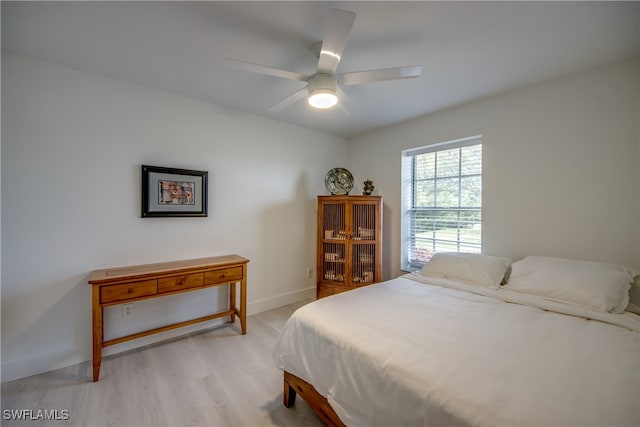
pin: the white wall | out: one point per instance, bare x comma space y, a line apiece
72, 146
560, 167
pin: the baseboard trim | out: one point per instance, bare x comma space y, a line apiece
270, 303
39, 363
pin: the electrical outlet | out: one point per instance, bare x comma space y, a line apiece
309, 273
127, 311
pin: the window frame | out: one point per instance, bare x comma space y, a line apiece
409, 208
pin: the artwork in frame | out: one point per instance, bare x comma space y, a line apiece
172, 192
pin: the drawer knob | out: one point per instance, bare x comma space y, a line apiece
223, 276
130, 290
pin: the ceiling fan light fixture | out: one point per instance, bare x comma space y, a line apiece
323, 98
322, 91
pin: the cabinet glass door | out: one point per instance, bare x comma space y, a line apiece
364, 222
363, 263
335, 235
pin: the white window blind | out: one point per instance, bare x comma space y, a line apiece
442, 200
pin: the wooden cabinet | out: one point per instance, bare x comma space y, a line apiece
349, 243
135, 283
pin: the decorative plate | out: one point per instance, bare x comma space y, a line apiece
338, 181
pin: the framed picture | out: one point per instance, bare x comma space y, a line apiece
168, 192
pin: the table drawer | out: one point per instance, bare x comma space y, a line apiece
225, 275
178, 283
127, 291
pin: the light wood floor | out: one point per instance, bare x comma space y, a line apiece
214, 378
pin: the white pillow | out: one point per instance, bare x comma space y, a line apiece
634, 296
632, 308
476, 269
598, 286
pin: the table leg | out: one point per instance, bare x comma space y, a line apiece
232, 300
97, 333
243, 303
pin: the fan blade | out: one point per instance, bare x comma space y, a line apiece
398, 73
235, 64
279, 106
344, 102
335, 39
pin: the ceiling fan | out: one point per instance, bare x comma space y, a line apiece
324, 86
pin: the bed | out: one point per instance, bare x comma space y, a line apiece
471, 341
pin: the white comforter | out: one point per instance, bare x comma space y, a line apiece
405, 352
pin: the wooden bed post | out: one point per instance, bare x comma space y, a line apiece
289, 394
294, 386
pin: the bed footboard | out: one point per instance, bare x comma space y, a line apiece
294, 385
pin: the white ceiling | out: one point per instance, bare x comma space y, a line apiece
468, 50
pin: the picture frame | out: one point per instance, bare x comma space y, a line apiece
173, 192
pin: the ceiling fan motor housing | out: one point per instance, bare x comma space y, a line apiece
322, 90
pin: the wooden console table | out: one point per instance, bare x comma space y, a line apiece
128, 284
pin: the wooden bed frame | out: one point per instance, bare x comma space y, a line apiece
294, 385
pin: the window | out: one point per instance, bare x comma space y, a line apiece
441, 200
